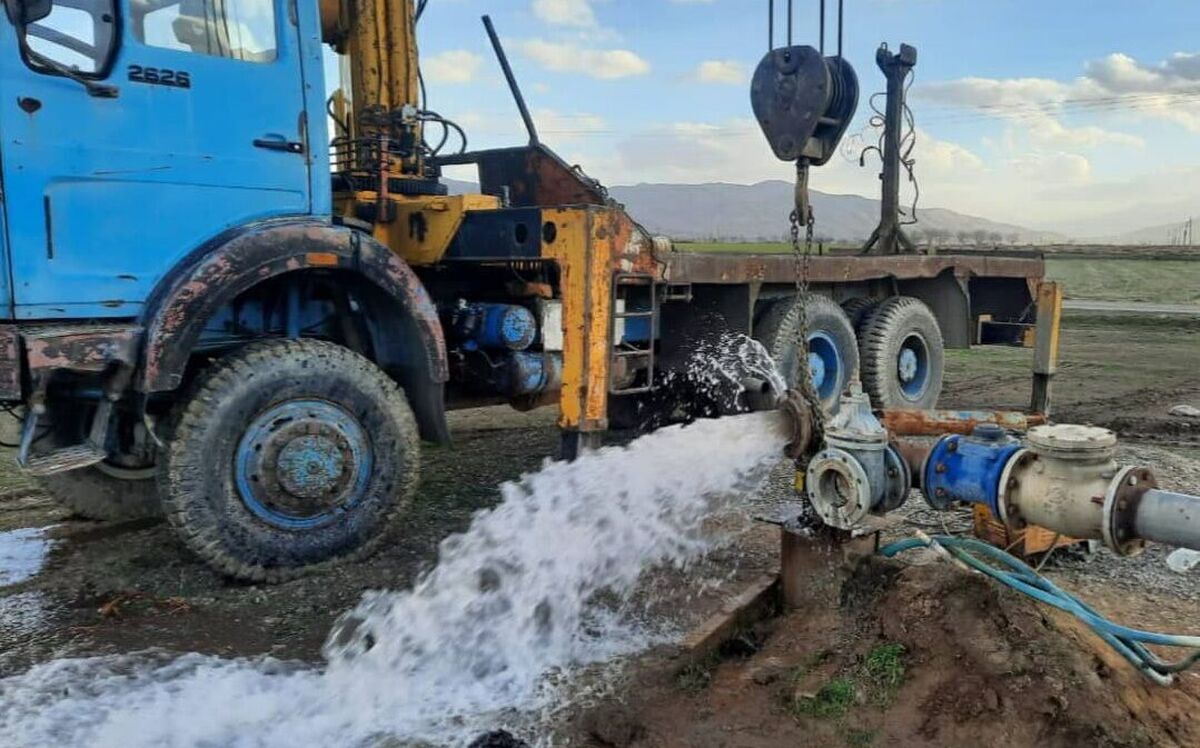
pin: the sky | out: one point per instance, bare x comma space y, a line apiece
1077, 116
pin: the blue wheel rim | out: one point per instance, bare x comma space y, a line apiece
301, 464
825, 365
912, 366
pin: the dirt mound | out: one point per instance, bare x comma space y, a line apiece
905, 656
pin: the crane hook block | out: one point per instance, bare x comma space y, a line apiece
804, 102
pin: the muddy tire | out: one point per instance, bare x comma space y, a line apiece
833, 347
903, 355
859, 310
116, 490
289, 456
106, 493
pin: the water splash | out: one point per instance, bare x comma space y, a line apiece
22, 554
713, 381
509, 610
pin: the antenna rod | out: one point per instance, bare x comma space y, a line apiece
770, 25
789, 34
512, 80
840, 3
822, 28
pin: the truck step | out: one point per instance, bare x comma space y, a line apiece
62, 460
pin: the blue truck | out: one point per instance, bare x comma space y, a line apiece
208, 316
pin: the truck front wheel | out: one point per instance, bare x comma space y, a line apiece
289, 454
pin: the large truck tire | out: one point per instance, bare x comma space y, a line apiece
119, 489
288, 456
105, 492
859, 311
833, 348
903, 355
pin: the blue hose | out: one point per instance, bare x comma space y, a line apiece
1019, 576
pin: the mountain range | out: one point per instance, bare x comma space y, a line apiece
758, 212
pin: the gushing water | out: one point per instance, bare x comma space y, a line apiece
509, 610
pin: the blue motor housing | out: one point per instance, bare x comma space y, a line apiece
968, 468
531, 373
494, 326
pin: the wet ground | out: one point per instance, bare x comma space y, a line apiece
70, 587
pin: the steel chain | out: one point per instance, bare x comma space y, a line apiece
804, 382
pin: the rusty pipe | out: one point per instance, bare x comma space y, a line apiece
942, 422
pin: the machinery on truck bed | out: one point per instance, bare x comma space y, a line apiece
210, 316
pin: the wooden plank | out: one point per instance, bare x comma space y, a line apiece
757, 600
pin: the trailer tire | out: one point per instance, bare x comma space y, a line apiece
103, 493
903, 355
289, 456
859, 311
833, 347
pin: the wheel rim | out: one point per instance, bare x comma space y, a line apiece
824, 364
302, 463
912, 366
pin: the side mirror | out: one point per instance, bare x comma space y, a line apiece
25, 12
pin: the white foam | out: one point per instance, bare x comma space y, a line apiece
22, 554
507, 614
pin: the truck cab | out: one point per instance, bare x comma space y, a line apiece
136, 131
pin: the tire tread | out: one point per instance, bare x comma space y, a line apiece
206, 394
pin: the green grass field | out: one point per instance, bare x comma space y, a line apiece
1161, 281
1104, 279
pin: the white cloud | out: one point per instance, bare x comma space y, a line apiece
720, 71
577, 13
994, 94
561, 128
564, 57
1117, 84
1053, 168
692, 152
941, 157
1047, 130
451, 66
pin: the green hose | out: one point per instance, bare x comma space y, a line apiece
1019, 576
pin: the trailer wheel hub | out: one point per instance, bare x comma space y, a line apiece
302, 463
912, 366
824, 364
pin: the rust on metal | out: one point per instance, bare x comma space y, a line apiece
939, 422
10, 363
533, 177
700, 267
802, 425
808, 555
79, 348
233, 263
633, 247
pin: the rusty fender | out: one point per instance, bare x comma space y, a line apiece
234, 262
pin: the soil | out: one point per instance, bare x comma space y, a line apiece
904, 655
978, 663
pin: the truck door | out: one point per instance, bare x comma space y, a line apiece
134, 131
